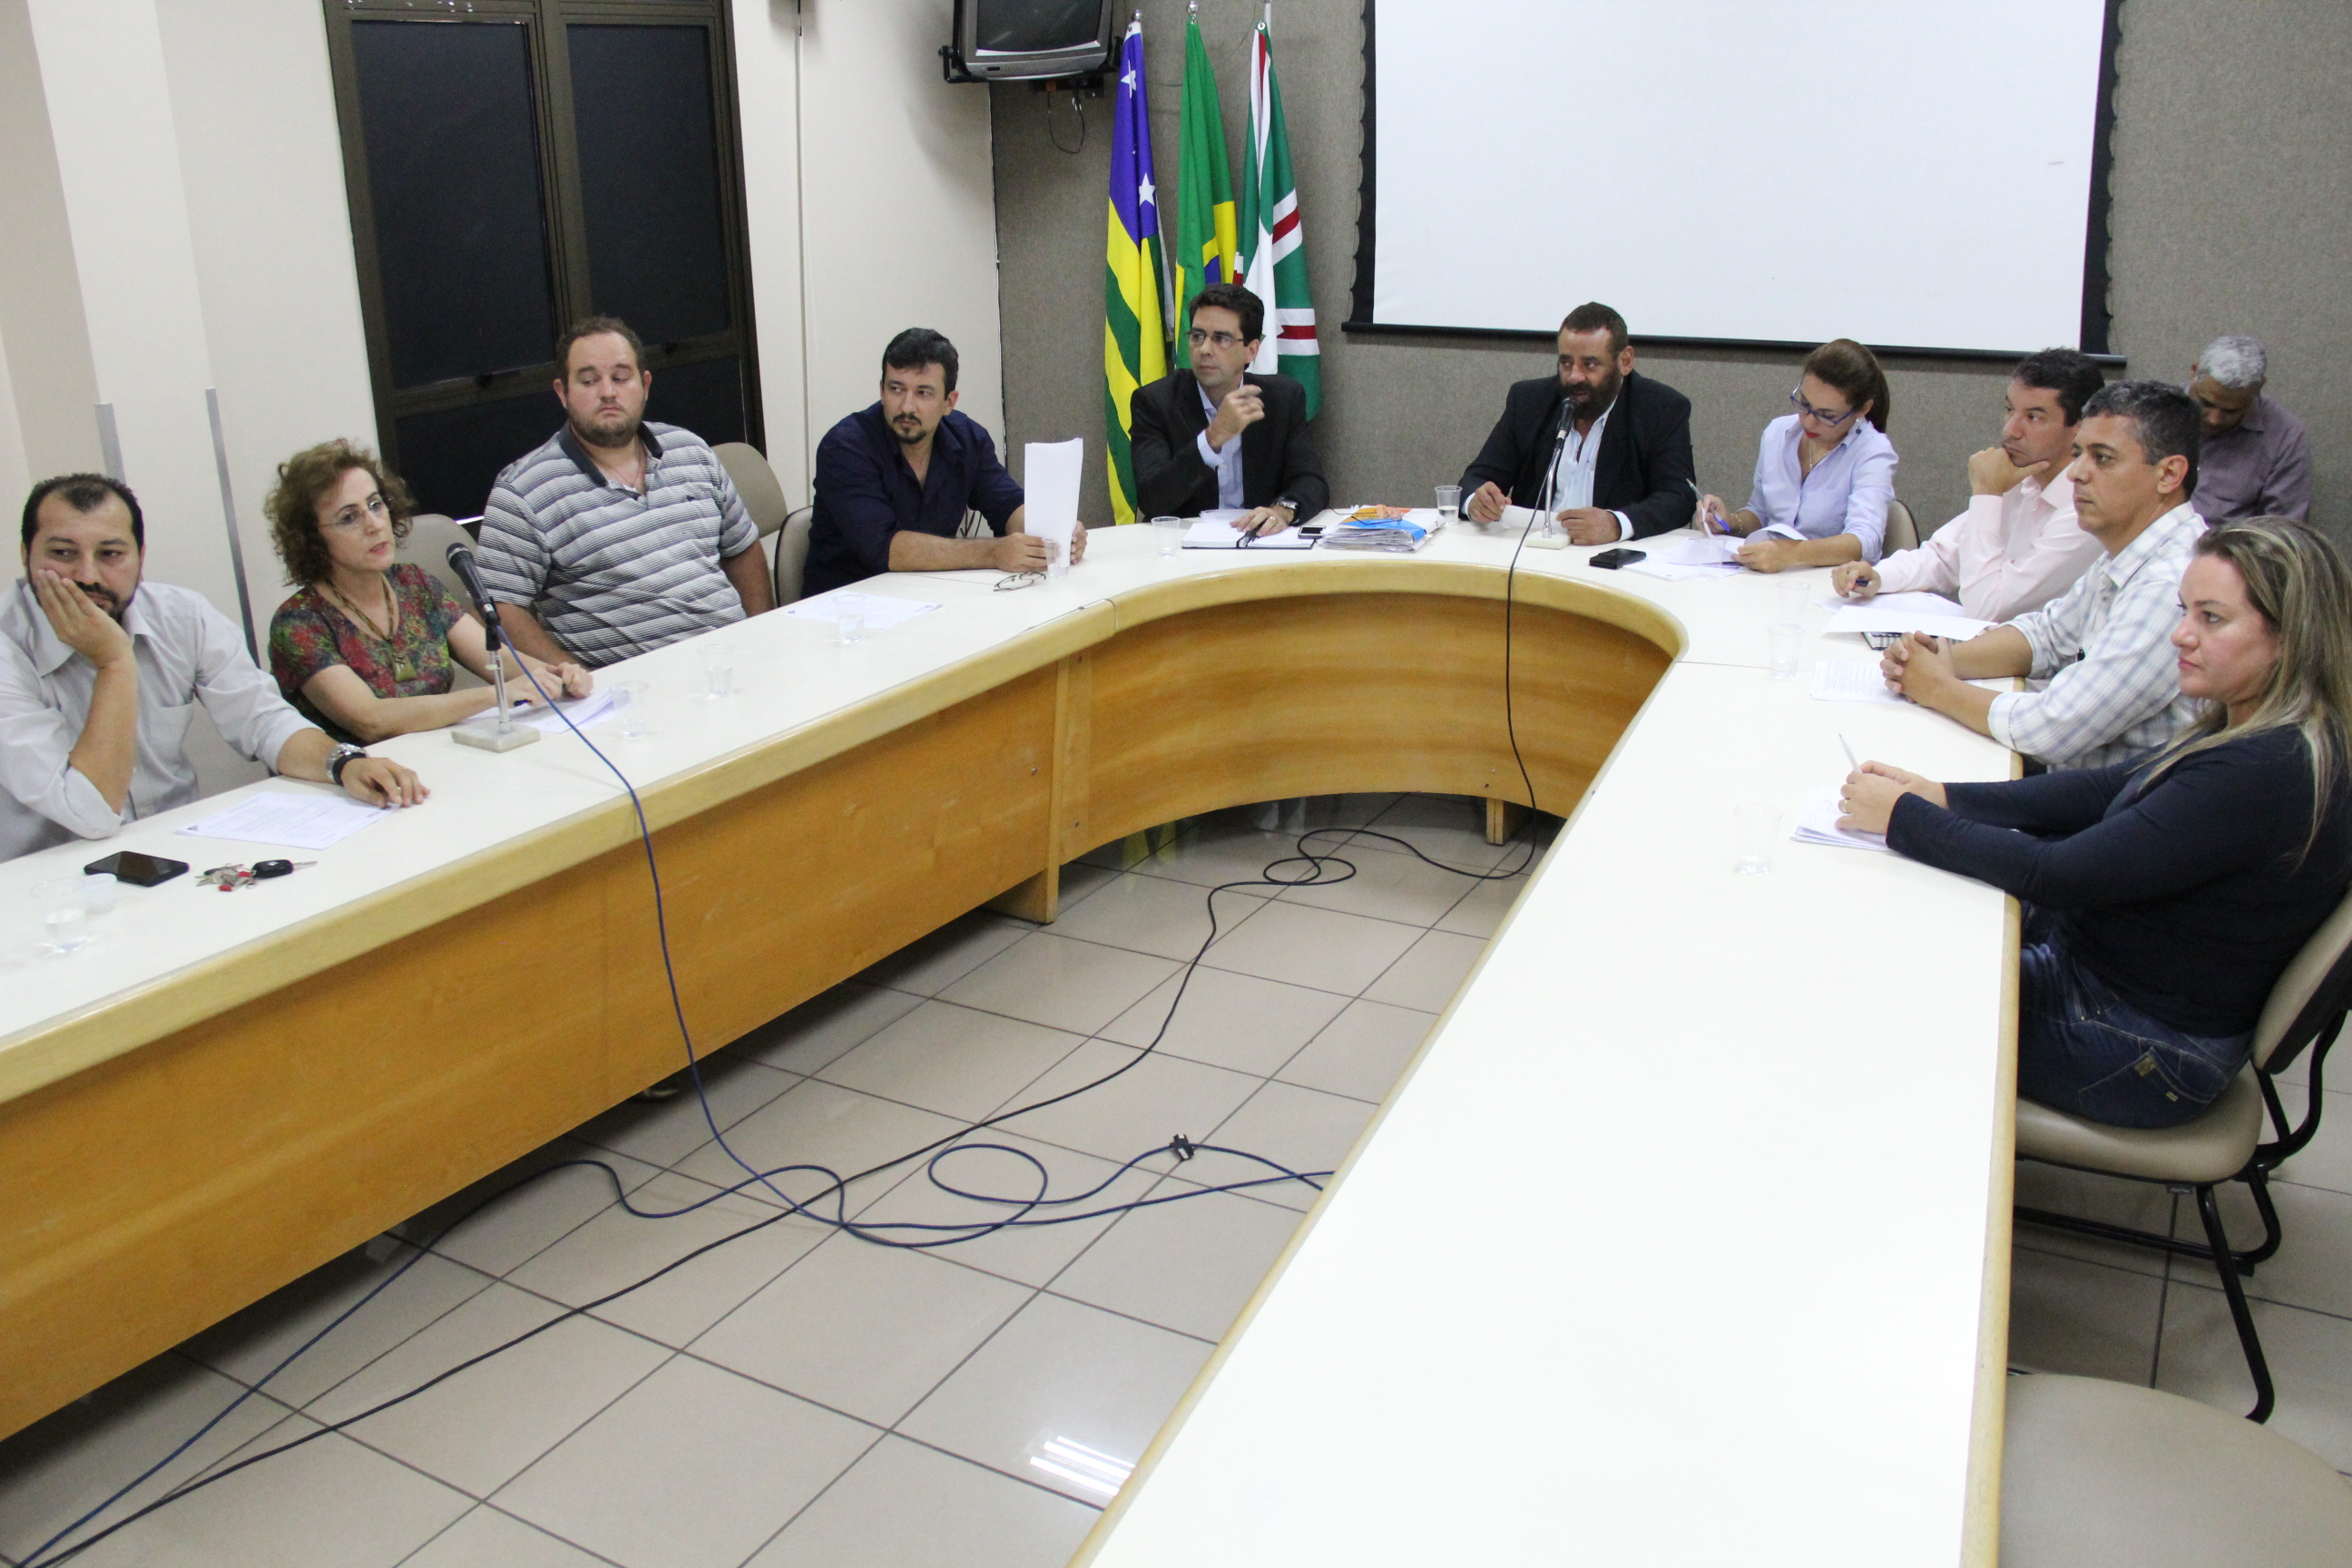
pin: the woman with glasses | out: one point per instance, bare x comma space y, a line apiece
367, 649
1824, 474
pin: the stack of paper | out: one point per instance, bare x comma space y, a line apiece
289, 821
1699, 555
1898, 613
1817, 824
1851, 680
881, 612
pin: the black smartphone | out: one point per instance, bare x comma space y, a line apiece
1310, 530
139, 870
1609, 560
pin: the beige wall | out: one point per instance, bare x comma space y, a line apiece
2234, 126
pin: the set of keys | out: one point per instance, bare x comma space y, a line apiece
229, 878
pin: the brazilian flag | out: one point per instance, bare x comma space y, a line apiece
1207, 236
1135, 302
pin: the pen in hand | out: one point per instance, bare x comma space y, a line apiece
1849, 754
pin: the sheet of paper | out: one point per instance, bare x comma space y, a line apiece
881, 612
1207, 534
289, 821
1851, 680
591, 708
1872, 617
1049, 487
1817, 824
1717, 549
1676, 572
1909, 603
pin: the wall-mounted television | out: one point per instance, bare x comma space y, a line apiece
1022, 40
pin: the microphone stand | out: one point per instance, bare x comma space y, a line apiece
1551, 536
505, 735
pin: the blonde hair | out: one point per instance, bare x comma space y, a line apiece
2298, 584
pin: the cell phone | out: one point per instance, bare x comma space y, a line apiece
1310, 530
1609, 560
139, 870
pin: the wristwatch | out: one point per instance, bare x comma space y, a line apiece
1290, 506
341, 758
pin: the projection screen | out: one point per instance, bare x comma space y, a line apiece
1912, 174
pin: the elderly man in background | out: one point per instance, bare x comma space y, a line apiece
2255, 457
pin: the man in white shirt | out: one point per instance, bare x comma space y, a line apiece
100, 674
2019, 546
2105, 646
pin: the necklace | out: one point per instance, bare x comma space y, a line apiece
404, 668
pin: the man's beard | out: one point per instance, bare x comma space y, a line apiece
908, 437
619, 432
104, 599
1596, 397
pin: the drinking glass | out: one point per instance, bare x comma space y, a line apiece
850, 628
629, 707
1756, 828
62, 918
1167, 533
718, 671
1784, 639
1449, 502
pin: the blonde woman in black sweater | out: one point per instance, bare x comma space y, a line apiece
2164, 896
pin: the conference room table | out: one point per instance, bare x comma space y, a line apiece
1684, 1239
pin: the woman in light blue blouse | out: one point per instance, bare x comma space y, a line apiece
1825, 475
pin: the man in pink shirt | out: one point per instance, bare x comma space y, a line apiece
2018, 546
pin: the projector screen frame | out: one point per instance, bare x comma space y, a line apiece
2097, 320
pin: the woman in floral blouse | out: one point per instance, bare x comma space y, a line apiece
368, 649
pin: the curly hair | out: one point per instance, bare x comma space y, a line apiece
306, 479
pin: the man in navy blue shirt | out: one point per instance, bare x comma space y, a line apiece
895, 481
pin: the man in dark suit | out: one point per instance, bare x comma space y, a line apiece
1215, 437
1623, 469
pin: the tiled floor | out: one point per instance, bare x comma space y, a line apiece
797, 1396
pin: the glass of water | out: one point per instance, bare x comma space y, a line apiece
64, 924
1755, 829
1168, 534
849, 626
629, 707
718, 670
1449, 502
1784, 640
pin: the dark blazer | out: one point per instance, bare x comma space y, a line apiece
1278, 460
1644, 469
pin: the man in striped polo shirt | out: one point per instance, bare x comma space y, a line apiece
616, 536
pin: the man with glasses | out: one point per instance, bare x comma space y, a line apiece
2255, 460
1615, 445
101, 673
1216, 437
896, 481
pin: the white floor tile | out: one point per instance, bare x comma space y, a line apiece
931, 964
1449, 828
531, 1217
2326, 1160
1154, 915
1059, 983
821, 1125
488, 1538
251, 1345
663, 1133
1060, 1370
2313, 1266
1319, 948
1143, 1107
1081, 879
1428, 976
1228, 1020
485, 1423
1386, 886
1189, 1265
2068, 1315
1303, 1128
2143, 1205
1029, 1253
1481, 910
866, 1329
906, 1506
696, 1468
2310, 1357
956, 1060
331, 1503
617, 1248
1360, 1053
66, 1464
820, 1029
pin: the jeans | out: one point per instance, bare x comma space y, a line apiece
2084, 1050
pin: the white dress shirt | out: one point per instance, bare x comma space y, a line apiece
1228, 463
2105, 645
186, 653
1579, 458
1847, 491
2005, 556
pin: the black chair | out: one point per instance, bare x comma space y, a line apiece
2305, 1011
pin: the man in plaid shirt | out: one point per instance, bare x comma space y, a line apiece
2105, 647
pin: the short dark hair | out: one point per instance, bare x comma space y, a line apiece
2164, 418
2072, 375
1590, 317
918, 346
85, 493
1239, 302
593, 327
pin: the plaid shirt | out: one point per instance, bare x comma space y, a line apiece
2106, 648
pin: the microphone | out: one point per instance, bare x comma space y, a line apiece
461, 562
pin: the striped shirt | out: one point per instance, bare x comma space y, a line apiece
610, 572
2106, 647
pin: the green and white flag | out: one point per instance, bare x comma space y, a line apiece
1274, 254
